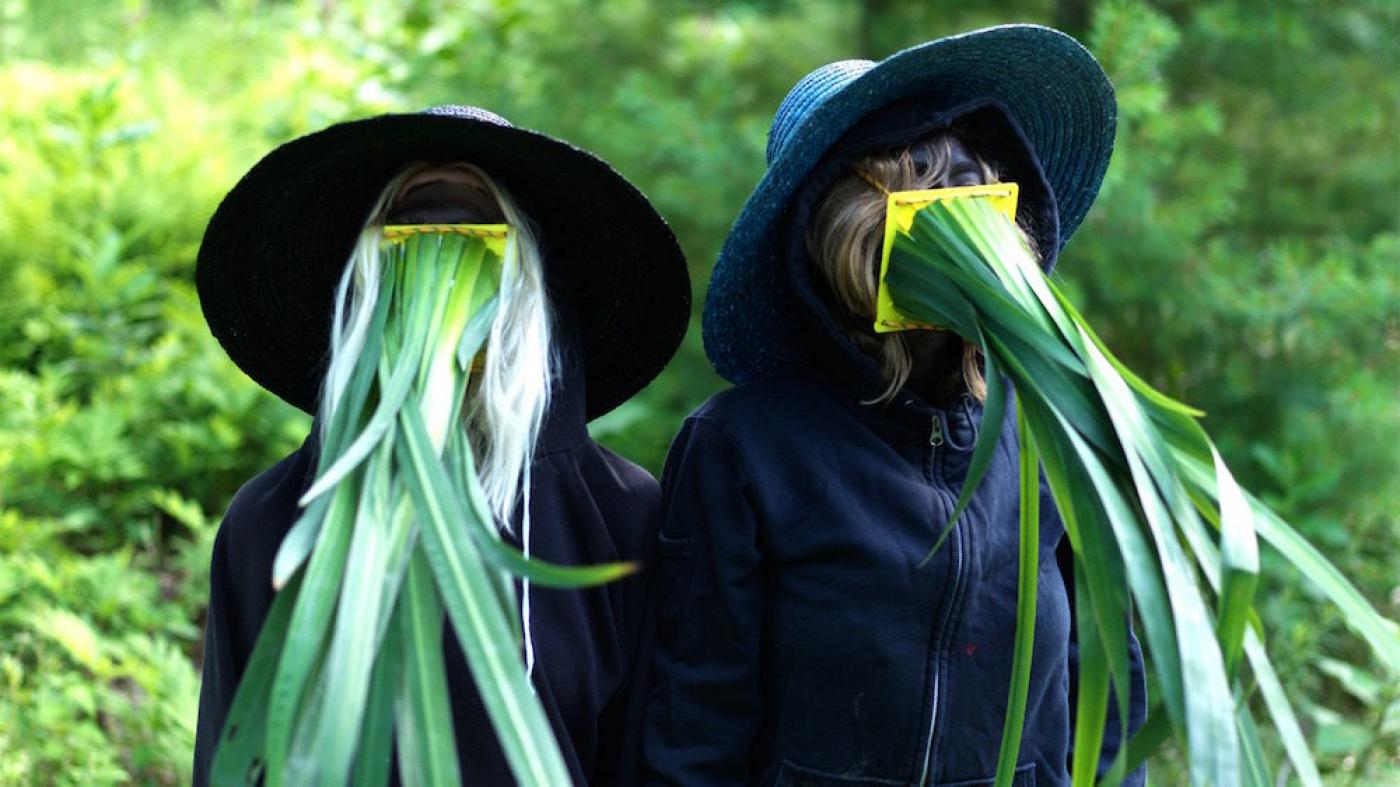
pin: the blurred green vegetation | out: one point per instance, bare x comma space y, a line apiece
1244, 254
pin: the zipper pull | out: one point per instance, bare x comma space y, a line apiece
935, 437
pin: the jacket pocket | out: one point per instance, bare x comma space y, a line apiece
790, 774
1025, 777
677, 566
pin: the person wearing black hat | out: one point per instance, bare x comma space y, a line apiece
801, 637
591, 269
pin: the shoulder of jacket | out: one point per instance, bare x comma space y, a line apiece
630, 476
263, 509
783, 398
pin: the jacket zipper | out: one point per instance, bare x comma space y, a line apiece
935, 435
935, 440
932, 717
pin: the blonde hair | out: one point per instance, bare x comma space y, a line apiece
844, 237
505, 411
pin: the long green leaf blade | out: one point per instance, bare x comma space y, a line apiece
524, 732
334, 732
1026, 593
372, 757
1381, 634
239, 758
427, 744
1092, 704
307, 632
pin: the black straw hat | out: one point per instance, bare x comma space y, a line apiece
1054, 94
278, 243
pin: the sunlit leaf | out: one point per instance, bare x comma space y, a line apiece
396, 533
1135, 478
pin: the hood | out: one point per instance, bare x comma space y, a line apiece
566, 420
986, 126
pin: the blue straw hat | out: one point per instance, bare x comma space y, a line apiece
1052, 88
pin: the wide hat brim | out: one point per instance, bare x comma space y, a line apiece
1051, 85
277, 245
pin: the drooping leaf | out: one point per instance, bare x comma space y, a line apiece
467, 594
1027, 590
1135, 479
396, 532
427, 745
239, 759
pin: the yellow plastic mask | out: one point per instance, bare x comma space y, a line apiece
494, 235
899, 216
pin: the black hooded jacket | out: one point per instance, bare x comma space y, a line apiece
587, 505
800, 640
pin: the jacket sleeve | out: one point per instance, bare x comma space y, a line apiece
224, 659
240, 595
1137, 702
705, 703
618, 761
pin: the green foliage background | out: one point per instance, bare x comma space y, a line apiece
1244, 254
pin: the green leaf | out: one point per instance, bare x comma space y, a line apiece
1239, 554
1026, 593
1091, 709
1210, 726
1381, 634
1149, 737
392, 393
1285, 722
478, 328
307, 632
1358, 682
426, 741
350, 409
372, 756
297, 544
300, 539
1098, 566
524, 732
1145, 576
239, 757
1256, 768
500, 554
332, 732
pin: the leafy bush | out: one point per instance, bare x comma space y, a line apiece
121, 424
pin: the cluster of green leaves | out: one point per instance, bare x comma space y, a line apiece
123, 430
1135, 479
1207, 264
1243, 256
95, 686
395, 536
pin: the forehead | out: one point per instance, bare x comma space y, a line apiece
443, 173
959, 149
935, 147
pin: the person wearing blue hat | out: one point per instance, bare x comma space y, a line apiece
801, 638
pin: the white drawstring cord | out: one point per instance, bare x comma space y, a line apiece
525, 583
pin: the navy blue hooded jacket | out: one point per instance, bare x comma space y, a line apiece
587, 505
800, 641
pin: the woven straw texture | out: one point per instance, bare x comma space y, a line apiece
1054, 88
276, 246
